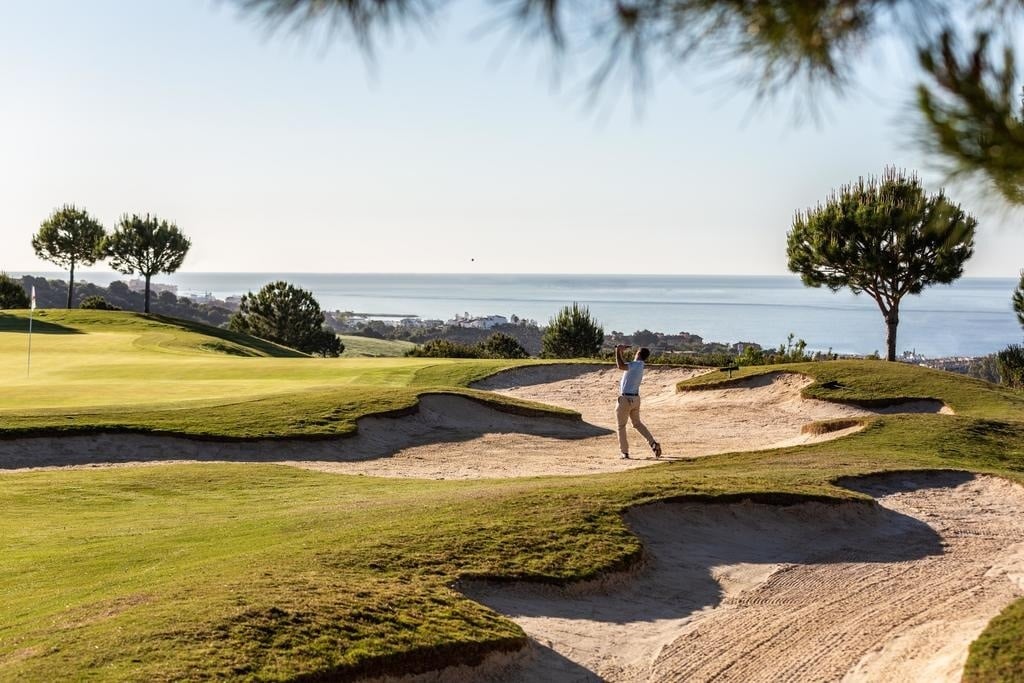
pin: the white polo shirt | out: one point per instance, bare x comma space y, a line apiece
630, 384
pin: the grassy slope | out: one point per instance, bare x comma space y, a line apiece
201, 381
365, 347
267, 572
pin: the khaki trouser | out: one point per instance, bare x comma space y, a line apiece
629, 407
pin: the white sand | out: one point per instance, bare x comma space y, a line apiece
810, 592
456, 438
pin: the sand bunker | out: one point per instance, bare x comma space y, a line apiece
451, 437
809, 592
440, 421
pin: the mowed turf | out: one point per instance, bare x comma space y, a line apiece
367, 347
265, 572
117, 370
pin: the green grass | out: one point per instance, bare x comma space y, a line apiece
366, 347
879, 383
265, 572
195, 380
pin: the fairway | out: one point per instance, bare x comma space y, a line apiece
272, 572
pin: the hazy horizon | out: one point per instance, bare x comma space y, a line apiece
279, 154
80, 274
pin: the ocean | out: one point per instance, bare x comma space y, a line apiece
971, 317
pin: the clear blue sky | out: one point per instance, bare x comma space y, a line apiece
275, 153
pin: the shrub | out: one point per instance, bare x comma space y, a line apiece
1010, 362
573, 333
501, 345
97, 303
12, 294
986, 368
711, 359
442, 348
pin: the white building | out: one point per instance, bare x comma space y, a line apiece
487, 322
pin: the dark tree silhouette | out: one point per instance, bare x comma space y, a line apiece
1018, 300
12, 294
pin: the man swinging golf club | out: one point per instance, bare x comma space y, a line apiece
629, 399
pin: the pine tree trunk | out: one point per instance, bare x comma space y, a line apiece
71, 284
891, 322
147, 291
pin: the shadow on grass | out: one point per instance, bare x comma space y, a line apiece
269, 348
19, 323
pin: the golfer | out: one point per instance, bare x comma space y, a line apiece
629, 399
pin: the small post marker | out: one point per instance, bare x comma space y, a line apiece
31, 312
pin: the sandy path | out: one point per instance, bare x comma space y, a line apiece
455, 438
748, 592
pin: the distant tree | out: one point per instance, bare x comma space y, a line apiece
97, 303
1010, 362
70, 236
12, 294
884, 236
289, 316
573, 333
985, 367
147, 246
645, 338
501, 345
375, 329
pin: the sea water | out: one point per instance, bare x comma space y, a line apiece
971, 317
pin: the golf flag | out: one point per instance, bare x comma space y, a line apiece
33, 297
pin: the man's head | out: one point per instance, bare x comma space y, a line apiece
642, 353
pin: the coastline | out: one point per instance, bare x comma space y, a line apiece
968, 319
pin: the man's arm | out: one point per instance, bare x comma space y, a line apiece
619, 362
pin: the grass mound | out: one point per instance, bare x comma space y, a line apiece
155, 332
876, 384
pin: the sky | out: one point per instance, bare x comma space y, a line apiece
457, 150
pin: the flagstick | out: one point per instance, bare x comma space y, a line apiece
28, 369
32, 311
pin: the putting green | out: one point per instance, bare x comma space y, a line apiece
117, 369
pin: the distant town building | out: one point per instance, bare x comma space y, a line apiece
485, 322
204, 298
139, 285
